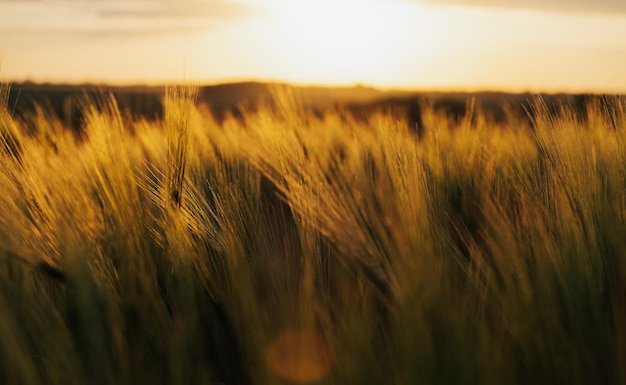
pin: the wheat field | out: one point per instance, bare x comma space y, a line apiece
286, 247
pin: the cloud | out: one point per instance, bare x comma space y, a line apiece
107, 18
185, 9
564, 6
100, 32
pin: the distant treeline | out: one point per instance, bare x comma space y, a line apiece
66, 101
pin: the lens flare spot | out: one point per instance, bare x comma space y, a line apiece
299, 357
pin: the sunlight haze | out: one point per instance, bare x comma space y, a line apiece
452, 44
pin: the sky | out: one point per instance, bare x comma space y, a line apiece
513, 45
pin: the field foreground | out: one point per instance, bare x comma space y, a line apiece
287, 247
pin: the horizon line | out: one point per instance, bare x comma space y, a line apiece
486, 88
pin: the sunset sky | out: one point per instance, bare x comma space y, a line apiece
548, 45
